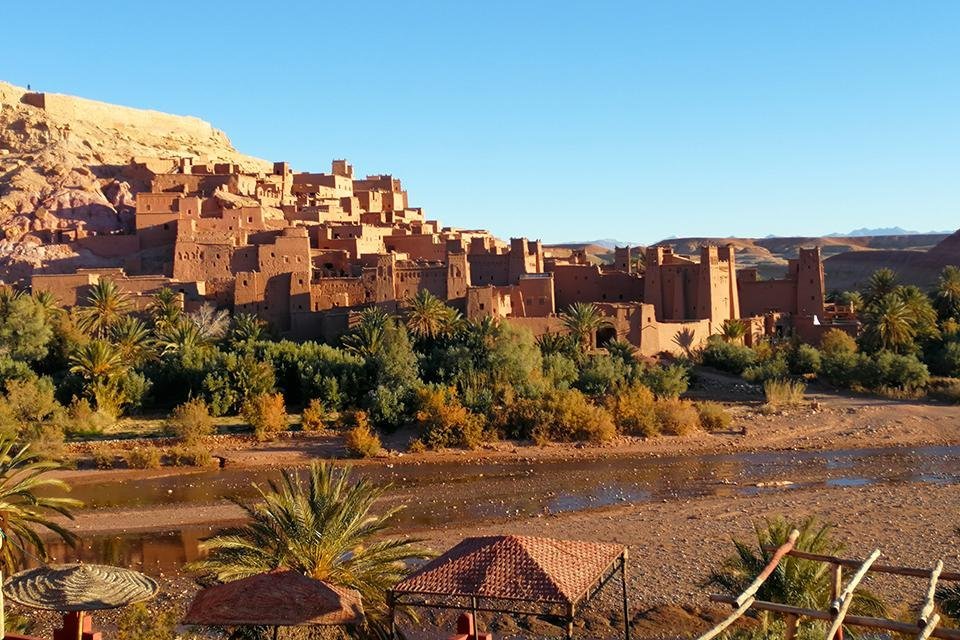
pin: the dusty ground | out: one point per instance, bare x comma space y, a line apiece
674, 543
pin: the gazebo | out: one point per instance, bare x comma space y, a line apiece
279, 598
515, 575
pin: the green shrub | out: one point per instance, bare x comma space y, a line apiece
677, 417
784, 393
633, 411
143, 458
892, 370
773, 368
267, 414
835, 342
314, 416
713, 416
191, 456
362, 441
727, 356
667, 382
946, 360
191, 421
601, 374
804, 360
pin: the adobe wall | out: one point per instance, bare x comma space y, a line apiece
112, 246
417, 247
537, 293
538, 326
588, 283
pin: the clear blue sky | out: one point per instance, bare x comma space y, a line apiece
558, 120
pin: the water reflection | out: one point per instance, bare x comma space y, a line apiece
461, 493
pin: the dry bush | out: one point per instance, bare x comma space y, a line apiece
416, 446
784, 393
82, 419
314, 416
634, 411
104, 459
835, 342
143, 458
946, 389
267, 414
190, 456
191, 421
713, 416
677, 417
444, 422
362, 441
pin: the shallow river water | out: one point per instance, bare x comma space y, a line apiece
470, 492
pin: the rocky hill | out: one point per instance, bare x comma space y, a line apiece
849, 260
66, 159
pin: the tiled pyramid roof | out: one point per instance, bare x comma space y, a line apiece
516, 568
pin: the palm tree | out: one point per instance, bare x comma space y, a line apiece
322, 527
733, 330
181, 336
583, 320
106, 303
796, 582
882, 282
132, 338
246, 329
367, 337
429, 316
851, 299
890, 324
48, 302
24, 505
165, 307
551, 343
923, 315
97, 361
948, 293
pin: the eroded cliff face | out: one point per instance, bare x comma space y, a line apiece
66, 161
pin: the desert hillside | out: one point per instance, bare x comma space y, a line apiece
64, 158
850, 260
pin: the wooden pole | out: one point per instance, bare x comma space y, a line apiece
79, 625
951, 576
476, 623
835, 592
842, 603
792, 622
929, 627
571, 612
393, 616
778, 555
928, 604
905, 628
626, 606
3, 615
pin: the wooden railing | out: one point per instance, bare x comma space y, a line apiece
841, 598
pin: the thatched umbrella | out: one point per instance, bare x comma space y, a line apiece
74, 589
279, 598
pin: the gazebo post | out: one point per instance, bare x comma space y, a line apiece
473, 612
393, 615
276, 631
626, 607
571, 613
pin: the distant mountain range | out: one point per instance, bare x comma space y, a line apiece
611, 243
883, 231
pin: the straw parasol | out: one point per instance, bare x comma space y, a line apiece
79, 587
279, 598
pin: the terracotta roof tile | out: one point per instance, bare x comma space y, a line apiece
516, 568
